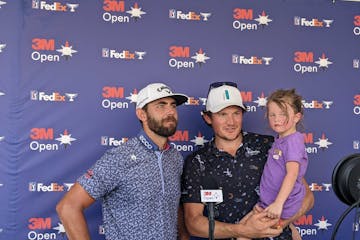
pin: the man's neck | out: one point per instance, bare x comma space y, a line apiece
160, 141
229, 146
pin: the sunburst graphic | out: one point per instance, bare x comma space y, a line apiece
66, 50
322, 224
60, 228
200, 57
323, 142
323, 62
263, 19
135, 12
261, 101
199, 140
2, 46
65, 139
133, 96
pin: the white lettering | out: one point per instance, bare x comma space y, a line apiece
107, 17
106, 103
36, 56
357, 31
40, 236
244, 26
303, 69
180, 64
40, 147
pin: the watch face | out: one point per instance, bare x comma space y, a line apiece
346, 179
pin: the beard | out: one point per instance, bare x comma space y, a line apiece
158, 126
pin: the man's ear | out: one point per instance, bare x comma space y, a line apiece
141, 114
206, 118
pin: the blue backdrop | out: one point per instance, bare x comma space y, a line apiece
70, 72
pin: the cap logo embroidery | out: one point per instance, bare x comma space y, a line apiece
227, 96
164, 89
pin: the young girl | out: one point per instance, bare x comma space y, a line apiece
281, 187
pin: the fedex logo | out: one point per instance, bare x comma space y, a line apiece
192, 101
357, 25
190, 16
253, 60
301, 21
124, 54
111, 141
314, 187
55, 6
53, 97
40, 187
315, 104
184, 16
39, 223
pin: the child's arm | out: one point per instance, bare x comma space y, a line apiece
292, 171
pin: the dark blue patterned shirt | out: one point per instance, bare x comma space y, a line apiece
140, 189
238, 177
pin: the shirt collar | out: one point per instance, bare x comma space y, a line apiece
148, 143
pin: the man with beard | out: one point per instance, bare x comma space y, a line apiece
233, 162
138, 181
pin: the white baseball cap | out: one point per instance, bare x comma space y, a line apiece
220, 97
156, 91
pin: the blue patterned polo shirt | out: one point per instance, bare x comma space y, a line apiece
139, 186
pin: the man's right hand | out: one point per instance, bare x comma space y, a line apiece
258, 225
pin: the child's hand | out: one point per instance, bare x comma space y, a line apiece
274, 210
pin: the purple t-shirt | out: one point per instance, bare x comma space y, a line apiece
287, 149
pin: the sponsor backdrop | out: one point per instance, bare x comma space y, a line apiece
70, 72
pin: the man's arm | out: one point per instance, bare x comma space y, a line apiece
70, 210
255, 226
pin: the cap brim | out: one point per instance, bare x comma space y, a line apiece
179, 98
221, 107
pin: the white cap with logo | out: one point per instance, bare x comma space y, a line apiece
222, 97
156, 91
